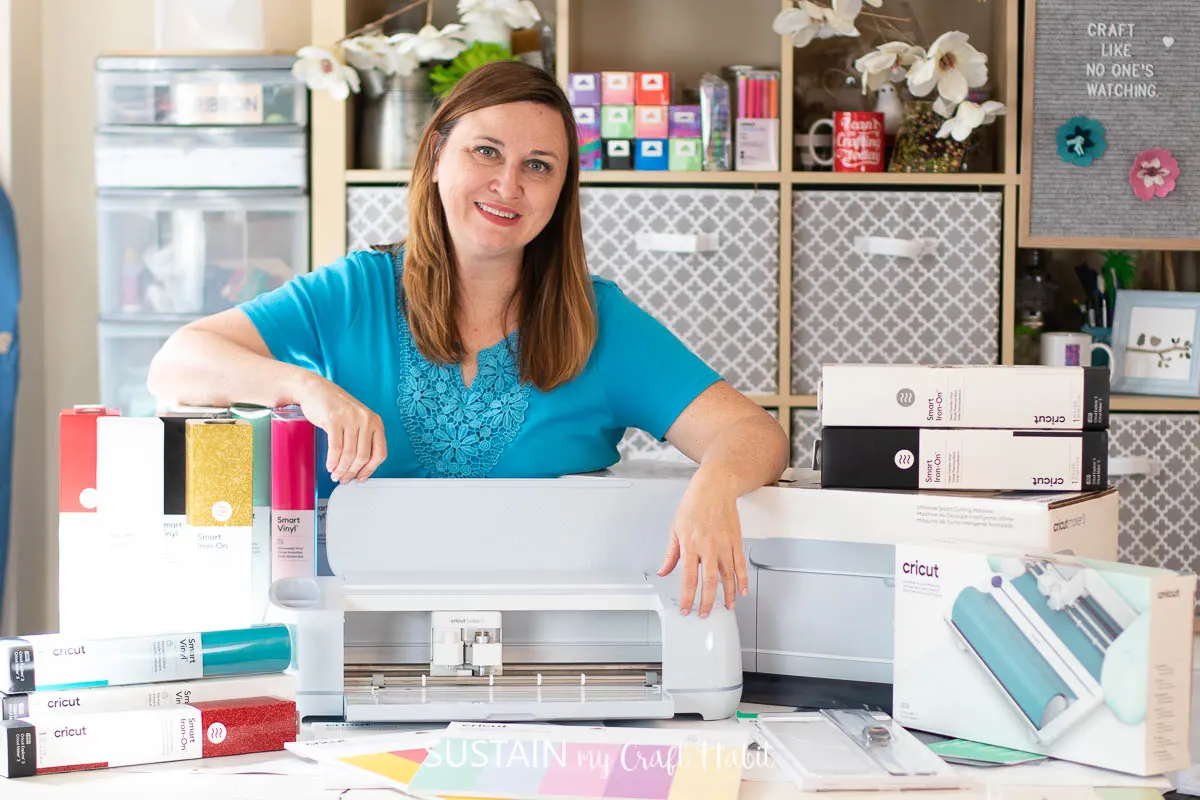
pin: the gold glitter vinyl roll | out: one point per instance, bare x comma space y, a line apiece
220, 473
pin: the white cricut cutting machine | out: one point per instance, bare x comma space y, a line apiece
509, 600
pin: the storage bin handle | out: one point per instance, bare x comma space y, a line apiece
891, 246
678, 242
1133, 465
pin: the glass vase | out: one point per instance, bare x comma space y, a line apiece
917, 147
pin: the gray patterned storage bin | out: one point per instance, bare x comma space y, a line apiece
1159, 513
375, 215
806, 429
847, 306
723, 304
639, 444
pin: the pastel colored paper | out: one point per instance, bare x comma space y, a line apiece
1081, 141
1153, 173
548, 762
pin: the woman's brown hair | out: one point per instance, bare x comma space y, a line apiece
556, 309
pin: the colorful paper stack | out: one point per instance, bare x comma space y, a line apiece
625, 120
71, 703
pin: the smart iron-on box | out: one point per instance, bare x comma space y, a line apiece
1083, 660
506, 600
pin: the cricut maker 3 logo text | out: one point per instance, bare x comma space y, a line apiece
917, 568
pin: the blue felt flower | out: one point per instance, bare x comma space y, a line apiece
1081, 141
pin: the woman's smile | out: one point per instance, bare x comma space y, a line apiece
498, 214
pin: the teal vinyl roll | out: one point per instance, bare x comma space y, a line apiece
1017, 665
1063, 626
247, 650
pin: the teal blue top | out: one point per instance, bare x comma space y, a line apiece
342, 321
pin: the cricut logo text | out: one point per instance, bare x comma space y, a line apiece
64, 732
917, 568
1070, 522
1048, 419
69, 651
68, 702
1047, 481
1163, 595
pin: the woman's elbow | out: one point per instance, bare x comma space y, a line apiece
163, 367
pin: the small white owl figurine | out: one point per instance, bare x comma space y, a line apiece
888, 103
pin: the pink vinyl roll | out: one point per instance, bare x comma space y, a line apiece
293, 461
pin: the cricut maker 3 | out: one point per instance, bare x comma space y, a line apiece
505, 599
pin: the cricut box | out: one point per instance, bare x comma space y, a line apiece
1075, 658
808, 547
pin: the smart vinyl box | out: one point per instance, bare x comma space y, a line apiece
974, 459
968, 396
1078, 659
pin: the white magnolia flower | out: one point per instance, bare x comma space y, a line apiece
809, 21
376, 52
320, 71
952, 65
944, 107
968, 117
430, 44
516, 14
887, 62
850, 9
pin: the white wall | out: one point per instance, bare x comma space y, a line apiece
47, 119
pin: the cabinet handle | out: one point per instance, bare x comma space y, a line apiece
888, 246
678, 242
1133, 465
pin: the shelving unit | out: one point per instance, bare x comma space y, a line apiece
581, 26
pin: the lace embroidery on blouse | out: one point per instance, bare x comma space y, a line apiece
458, 431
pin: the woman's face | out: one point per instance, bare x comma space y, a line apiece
499, 174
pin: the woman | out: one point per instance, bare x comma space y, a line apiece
482, 346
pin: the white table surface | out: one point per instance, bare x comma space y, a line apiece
293, 778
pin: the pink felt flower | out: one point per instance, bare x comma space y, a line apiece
1153, 173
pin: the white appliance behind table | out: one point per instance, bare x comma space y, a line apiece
201, 167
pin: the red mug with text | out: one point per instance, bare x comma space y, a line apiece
857, 141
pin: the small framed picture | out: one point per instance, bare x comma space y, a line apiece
1154, 340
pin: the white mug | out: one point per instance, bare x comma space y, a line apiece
1070, 349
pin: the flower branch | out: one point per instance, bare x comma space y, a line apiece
952, 65
485, 27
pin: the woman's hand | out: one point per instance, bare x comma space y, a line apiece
706, 535
357, 445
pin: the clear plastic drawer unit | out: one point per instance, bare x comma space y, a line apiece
126, 350
196, 252
200, 158
200, 90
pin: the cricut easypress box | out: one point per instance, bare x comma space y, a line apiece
1078, 659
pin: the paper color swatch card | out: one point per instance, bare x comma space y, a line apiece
550, 762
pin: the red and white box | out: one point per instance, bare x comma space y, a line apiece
652, 89
80, 529
73, 743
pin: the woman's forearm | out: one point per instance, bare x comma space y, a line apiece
203, 368
751, 453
